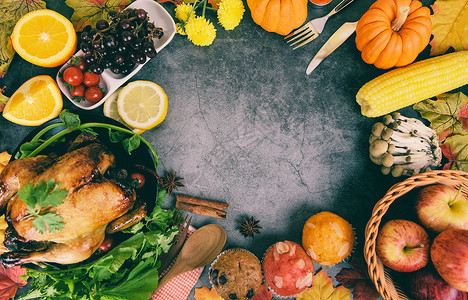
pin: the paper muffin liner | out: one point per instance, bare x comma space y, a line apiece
224, 252
275, 294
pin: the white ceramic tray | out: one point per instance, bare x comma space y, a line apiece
110, 81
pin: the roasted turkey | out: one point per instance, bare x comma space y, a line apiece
99, 198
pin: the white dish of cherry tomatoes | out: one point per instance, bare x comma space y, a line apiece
108, 80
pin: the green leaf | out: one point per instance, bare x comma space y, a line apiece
139, 287
71, 120
116, 136
50, 221
53, 195
447, 112
131, 143
87, 12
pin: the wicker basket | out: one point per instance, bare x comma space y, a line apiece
377, 272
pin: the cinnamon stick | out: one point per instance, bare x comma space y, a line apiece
203, 202
201, 210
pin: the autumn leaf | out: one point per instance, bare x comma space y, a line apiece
10, 12
322, 289
87, 12
449, 26
357, 277
4, 159
10, 281
448, 112
205, 293
455, 148
263, 294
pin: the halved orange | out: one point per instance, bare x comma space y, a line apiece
35, 102
44, 37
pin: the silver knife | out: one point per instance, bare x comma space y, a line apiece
338, 38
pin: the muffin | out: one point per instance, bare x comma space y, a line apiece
236, 274
287, 269
328, 238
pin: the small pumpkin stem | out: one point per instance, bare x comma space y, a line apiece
401, 18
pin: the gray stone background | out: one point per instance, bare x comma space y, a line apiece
247, 126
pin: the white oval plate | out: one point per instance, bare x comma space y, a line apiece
110, 81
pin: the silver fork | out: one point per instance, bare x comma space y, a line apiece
311, 30
168, 257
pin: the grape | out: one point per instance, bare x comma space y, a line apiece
87, 28
93, 33
121, 49
85, 36
148, 47
112, 14
85, 48
119, 59
107, 64
141, 14
102, 24
130, 64
96, 69
115, 70
110, 42
124, 24
151, 54
126, 37
140, 58
97, 45
136, 44
89, 59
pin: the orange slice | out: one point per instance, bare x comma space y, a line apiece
44, 37
37, 101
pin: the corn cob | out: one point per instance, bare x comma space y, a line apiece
408, 85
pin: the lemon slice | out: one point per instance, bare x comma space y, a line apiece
44, 37
36, 101
110, 110
142, 104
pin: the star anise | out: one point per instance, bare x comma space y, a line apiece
249, 227
171, 182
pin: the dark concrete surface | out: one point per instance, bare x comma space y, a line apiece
247, 126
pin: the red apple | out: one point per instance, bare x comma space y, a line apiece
426, 284
403, 246
449, 254
440, 207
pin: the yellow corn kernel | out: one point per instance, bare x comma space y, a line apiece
411, 84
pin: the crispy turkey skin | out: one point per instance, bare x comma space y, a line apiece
95, 198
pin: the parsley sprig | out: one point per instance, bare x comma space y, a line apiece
40, 197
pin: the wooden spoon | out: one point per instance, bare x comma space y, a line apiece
202, 247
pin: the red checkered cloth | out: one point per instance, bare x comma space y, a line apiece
180, 286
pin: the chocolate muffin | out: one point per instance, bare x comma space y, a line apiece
236, 274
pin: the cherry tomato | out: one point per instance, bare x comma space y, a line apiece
91, 79
78, 91
93, 94
73, 76
139, 180
107, 244
79, 63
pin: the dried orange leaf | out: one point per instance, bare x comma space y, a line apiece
10, 281
205, 293
449, 26
4, 159
322, 289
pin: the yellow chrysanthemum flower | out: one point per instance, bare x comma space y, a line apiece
200, 31
182, 12
230, 13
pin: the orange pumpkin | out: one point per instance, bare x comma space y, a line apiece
280, 16
393, 32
